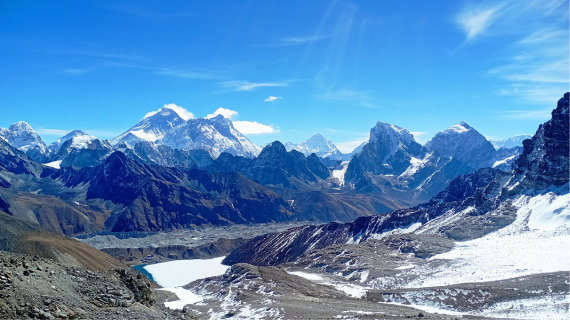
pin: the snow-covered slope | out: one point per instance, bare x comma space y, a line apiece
514, 141
151, 128
318, 145
216, 135
80, 141
465, 144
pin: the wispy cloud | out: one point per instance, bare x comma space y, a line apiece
272, 99
75, 72
542, 114
419, 136
474, 20
150, 14
242, 85
360, 98
52, 132
296, 41
535, 47
349, 146
200, 74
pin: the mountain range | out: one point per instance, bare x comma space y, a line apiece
310, 181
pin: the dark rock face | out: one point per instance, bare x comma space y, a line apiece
274, 166
150, 153
15, 161
159, 198
388, 152
92, 155
544, 160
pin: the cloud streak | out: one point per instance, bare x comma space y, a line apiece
242, 85
272, 99
475, 20
535, 65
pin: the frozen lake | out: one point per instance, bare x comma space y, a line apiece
180, 272
173, 275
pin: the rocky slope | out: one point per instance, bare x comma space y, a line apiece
157, 198
480, 202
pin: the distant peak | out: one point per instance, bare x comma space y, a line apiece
21, 126
465, 125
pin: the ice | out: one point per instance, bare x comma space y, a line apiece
180, 272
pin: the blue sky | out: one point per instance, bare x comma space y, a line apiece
334, 67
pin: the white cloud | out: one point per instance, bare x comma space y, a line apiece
227, 113
191, 74
252, 127
242, 85
349, 146
183, 113
272, 98
245, 127
474, 20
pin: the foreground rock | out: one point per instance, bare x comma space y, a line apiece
33, 287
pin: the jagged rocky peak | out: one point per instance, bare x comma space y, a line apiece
152, 128
545, 160
388, 138
216, 135
464, 143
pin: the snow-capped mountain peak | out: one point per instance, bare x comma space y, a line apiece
390, 136
22, 136
464, 143
510, 142
152, 128
79, 137
216, 135
316, 144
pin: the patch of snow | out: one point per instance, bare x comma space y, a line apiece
405, 267
504, 161
308, 276
185, 297
180, 272
54, 164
